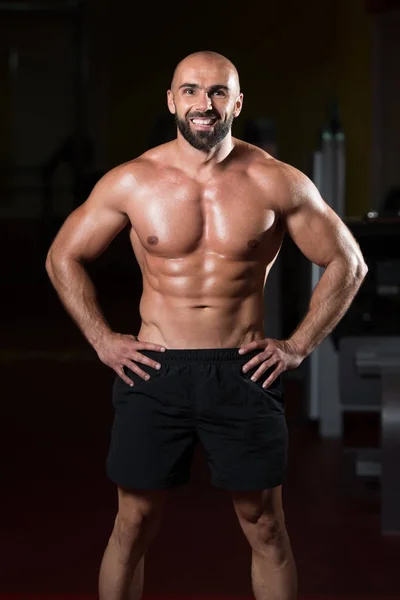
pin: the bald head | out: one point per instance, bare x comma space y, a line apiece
208, 63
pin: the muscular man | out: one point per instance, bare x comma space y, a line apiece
207, 215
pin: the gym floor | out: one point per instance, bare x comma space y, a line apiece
58, 506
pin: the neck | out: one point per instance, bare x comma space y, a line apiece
197, 161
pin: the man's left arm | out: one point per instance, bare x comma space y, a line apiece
326, 241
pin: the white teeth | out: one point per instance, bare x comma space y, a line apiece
203, 121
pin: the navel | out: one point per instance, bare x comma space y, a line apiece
153, 240
252, 243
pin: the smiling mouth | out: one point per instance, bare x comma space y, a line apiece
202, 123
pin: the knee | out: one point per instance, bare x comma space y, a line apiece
138, 518
135, 529
270, 531
265, 528
267, 536
126, 529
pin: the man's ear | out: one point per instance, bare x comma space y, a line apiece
170, 102
238, 106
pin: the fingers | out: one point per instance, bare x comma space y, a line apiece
264, 367
260, 358
149, 346
128, 357
119, 371
253, 346
275, 373
141, 358
144, 360
133, 367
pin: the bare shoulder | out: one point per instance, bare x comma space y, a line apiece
157, 157
287, 186
298, 190
121, 183
253, 157
114, 186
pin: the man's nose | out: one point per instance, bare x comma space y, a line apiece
204, 102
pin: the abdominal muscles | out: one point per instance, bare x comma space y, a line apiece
201, 301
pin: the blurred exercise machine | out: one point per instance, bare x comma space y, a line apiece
357, 368
329, 171
368, 346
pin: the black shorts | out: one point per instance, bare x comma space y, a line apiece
198, 395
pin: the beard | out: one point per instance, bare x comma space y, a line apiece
204, 140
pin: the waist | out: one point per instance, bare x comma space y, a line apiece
176, 323
201, 355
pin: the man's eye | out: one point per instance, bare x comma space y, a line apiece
188, 91
220, 92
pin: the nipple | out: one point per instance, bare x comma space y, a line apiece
252, 244
153, 240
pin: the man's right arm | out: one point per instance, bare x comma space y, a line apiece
86, 234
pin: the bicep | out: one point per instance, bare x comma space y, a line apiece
318, 231
89, 229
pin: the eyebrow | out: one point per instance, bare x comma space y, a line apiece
212, 88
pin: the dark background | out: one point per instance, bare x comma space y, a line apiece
76, 101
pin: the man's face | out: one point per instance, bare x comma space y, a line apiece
205, 99
205, 131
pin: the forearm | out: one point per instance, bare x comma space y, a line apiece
78, 295
329, 302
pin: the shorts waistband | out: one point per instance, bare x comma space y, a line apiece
201, 355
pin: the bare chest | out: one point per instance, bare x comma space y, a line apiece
229, 217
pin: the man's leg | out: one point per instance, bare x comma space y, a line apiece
273, 569
136, 525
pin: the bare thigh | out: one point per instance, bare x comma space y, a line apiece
252, 505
